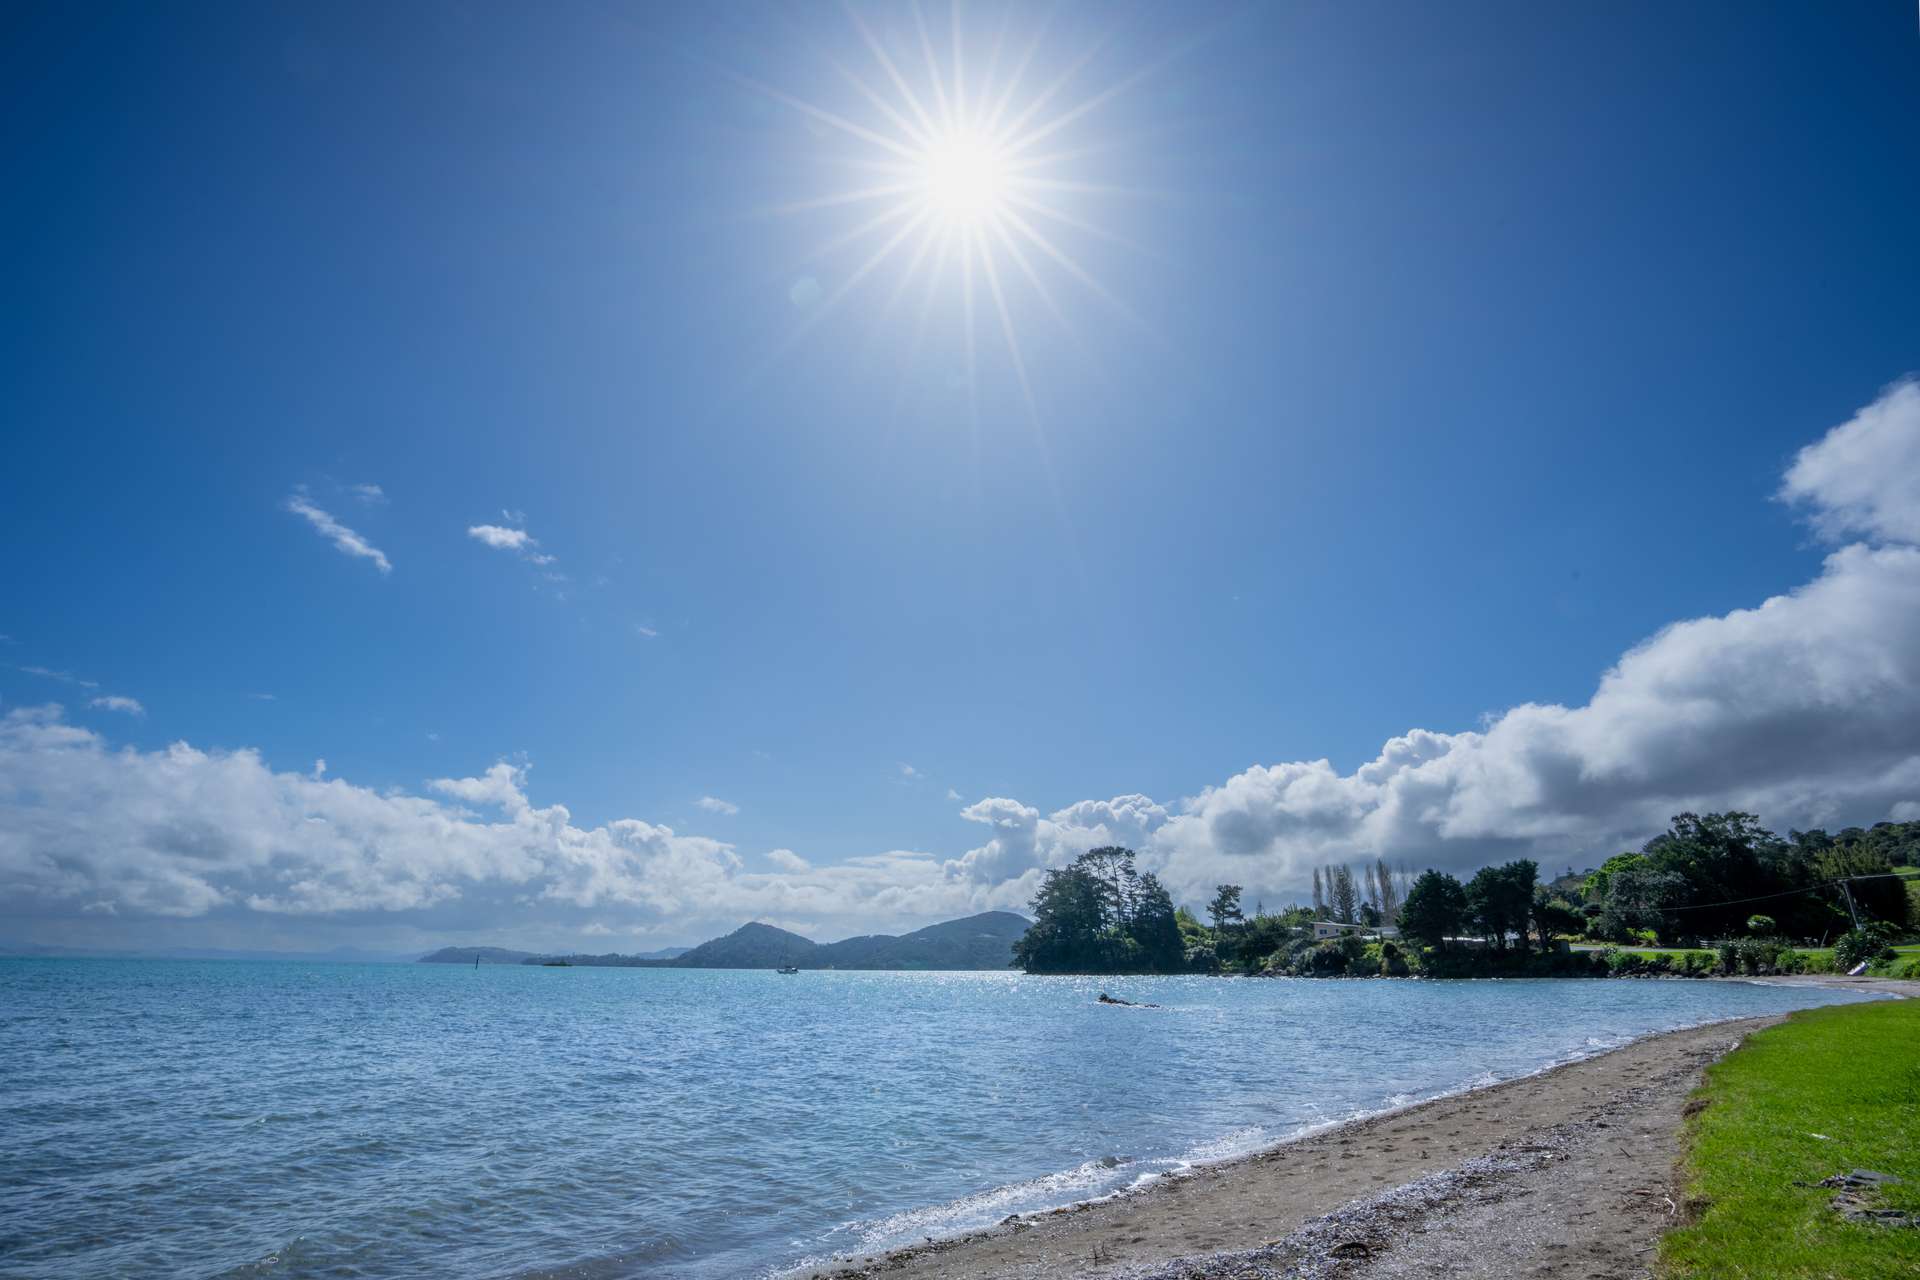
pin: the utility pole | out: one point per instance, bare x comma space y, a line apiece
1847, 890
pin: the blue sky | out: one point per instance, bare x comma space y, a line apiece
1415, 363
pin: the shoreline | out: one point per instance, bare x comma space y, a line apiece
1415, 1186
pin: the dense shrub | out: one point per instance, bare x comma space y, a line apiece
1748, 955
1762, 926
1869, 944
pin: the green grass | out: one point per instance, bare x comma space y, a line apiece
1851, 1072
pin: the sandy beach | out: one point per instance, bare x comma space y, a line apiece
1566, 1174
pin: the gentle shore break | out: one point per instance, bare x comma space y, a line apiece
1566, 1174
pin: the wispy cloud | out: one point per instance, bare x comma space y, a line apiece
714, 804
954, 795
368, 495
645, 632
64, 677
908, 771
518, 541
344, 539
262, 697
114, 702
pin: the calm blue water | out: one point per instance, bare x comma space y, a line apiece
228, 1119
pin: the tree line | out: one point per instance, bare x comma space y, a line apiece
1707, 877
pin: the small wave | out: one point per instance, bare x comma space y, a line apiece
1091, 1180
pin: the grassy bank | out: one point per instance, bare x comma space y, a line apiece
1848, 1072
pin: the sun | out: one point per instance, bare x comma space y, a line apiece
964, 178
968, 169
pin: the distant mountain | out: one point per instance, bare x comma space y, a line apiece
984, 941
467, 955
752, 946
978, 942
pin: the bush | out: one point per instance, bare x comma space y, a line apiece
1762, 926
1868, 944
1695, 965
1748, 955
1393, 963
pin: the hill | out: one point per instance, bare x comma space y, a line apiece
752, 946
984, 941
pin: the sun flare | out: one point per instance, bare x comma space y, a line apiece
964, 177
968, 167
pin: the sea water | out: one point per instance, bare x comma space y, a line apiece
193, 1119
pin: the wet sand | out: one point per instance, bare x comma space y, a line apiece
1567, 1174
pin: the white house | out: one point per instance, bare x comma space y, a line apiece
1341, 929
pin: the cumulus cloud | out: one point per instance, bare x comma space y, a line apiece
114, 702
345, 540
186, 833
714, 804
518, 541
787, 860
1863, 477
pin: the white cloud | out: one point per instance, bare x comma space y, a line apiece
714, 804
788, 860
954, 795
908, 771
64, 677
1863, 477
262, 697
518, 541
114, 702
184, 833
645, 633
500, 539
370, 495
344, 539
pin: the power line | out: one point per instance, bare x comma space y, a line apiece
1793, 893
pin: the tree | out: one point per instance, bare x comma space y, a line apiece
1388, 891
1101, 915
1343, 898
1553, 916
1154, 928
1595, 887
1637, 898
1500, 900
1435, 908
1319, 897
1225, 910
